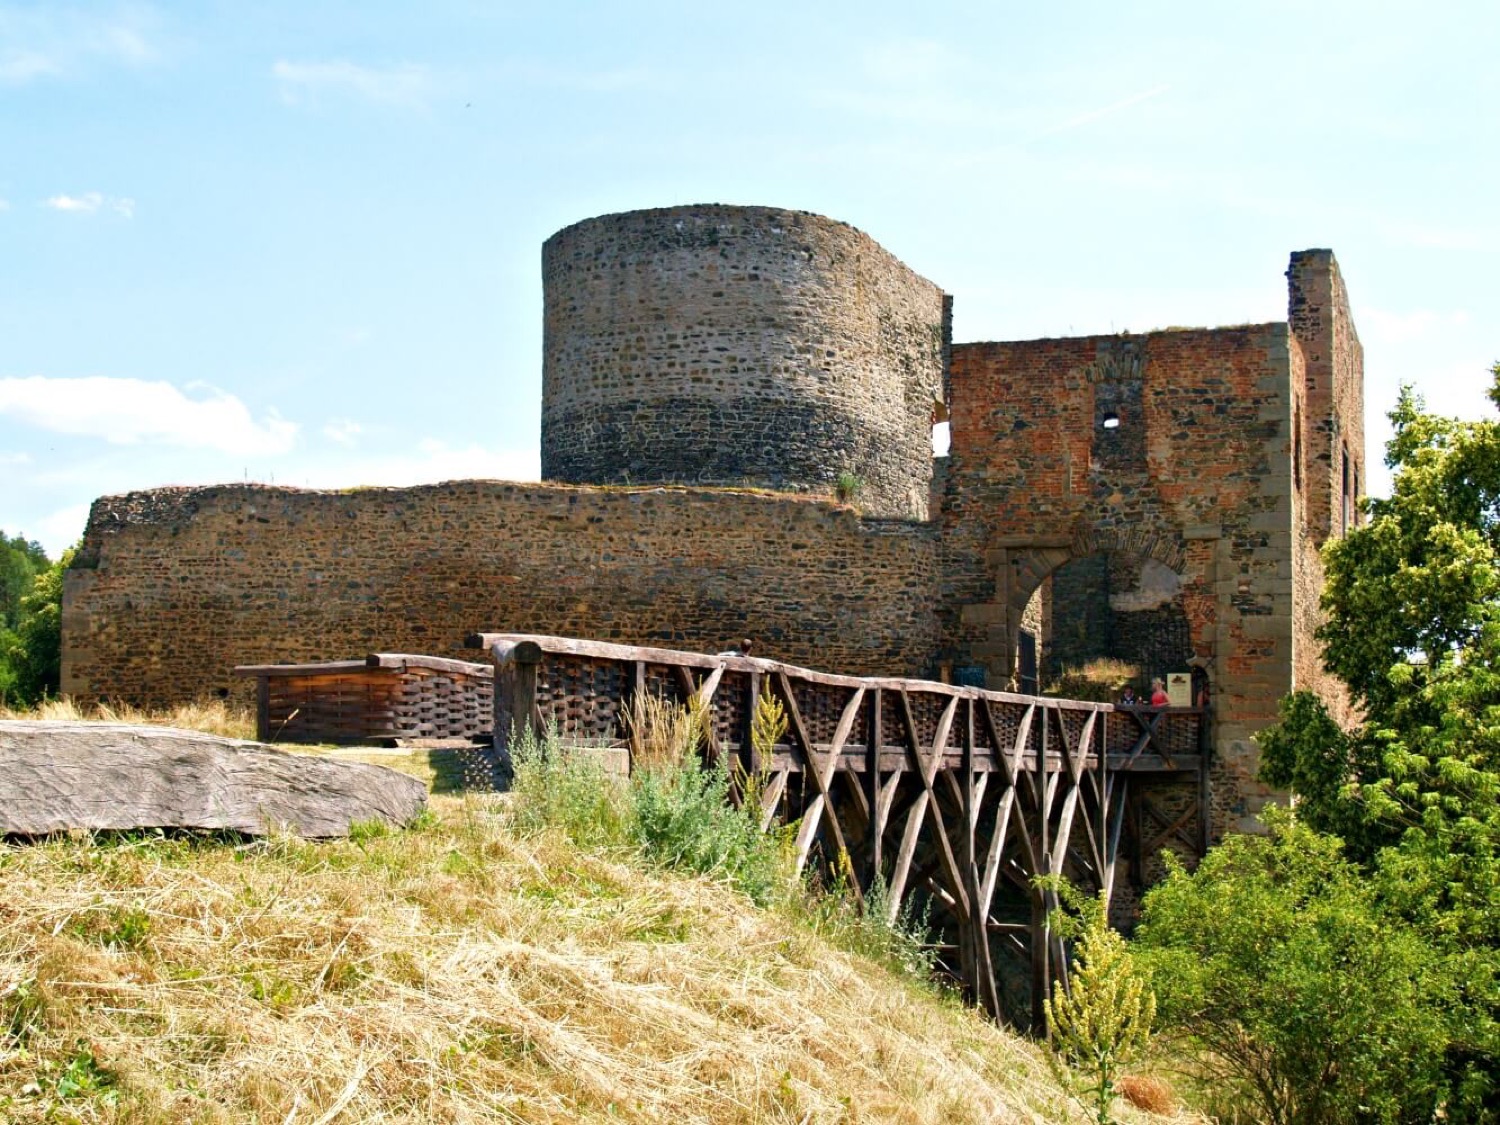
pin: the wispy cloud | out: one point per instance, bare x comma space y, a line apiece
343, 431
20, 457
407, 84
57, 42
133, 411
4, 205
62, 529
90, 202
431, 461
1104, 111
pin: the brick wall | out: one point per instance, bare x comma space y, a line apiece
174, 587
729, 345
1195, 474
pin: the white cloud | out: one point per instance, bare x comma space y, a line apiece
4, 205
1390, 327
62, 529
407, 84
343, 431
90, 203
16, 458
49, 41
432, 460
87, 203
131, 411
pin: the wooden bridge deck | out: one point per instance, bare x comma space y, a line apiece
953, 798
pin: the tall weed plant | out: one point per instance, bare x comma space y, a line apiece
674, 809
676, 812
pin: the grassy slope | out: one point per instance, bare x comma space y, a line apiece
455, 972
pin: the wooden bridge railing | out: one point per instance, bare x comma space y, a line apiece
382, 698
954, 799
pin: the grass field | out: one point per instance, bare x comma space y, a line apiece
458, 971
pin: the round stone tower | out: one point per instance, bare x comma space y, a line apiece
739, 345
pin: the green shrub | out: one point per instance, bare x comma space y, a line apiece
905, 945
567, 789
848, 486
681, 817
1301, 1001
1101, 680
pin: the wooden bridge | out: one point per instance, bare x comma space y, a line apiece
954, 798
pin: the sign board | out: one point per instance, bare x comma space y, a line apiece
969, 675
1179, 689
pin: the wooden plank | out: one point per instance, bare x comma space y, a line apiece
604, 650
873, 789
330, 668
771, 797
904, 855
401, 662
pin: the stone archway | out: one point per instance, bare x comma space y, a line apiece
1159, 564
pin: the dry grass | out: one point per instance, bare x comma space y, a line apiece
457, 972
216, 717
662, 734
1148, 1092
454, 973
1101, 680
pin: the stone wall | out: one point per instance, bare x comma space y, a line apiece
174, 587
1328, 379
1175, 447
1333, 421
739, 345
1118, 605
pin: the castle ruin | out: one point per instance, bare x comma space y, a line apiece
712, 375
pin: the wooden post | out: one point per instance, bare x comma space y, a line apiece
749, 754
263, 708
1041, 903
515, 699
875, 829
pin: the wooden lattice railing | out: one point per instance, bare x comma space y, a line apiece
954, 798
382, 698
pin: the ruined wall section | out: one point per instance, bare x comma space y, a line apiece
1333, 424
174, 587
726, 345
1174, 446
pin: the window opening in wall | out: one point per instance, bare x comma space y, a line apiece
1111, 421
942, 439
1349, 504
1297, 447
1356, 496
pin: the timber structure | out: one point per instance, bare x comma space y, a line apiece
942, 802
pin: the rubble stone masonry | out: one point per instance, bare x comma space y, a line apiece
1203, 468
173, 588
739, 345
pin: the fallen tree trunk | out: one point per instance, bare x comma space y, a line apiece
61, 776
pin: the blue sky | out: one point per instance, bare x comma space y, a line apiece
301, 242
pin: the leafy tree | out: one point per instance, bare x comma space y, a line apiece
21, 560
1297, 993
31, 654
1413, 628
